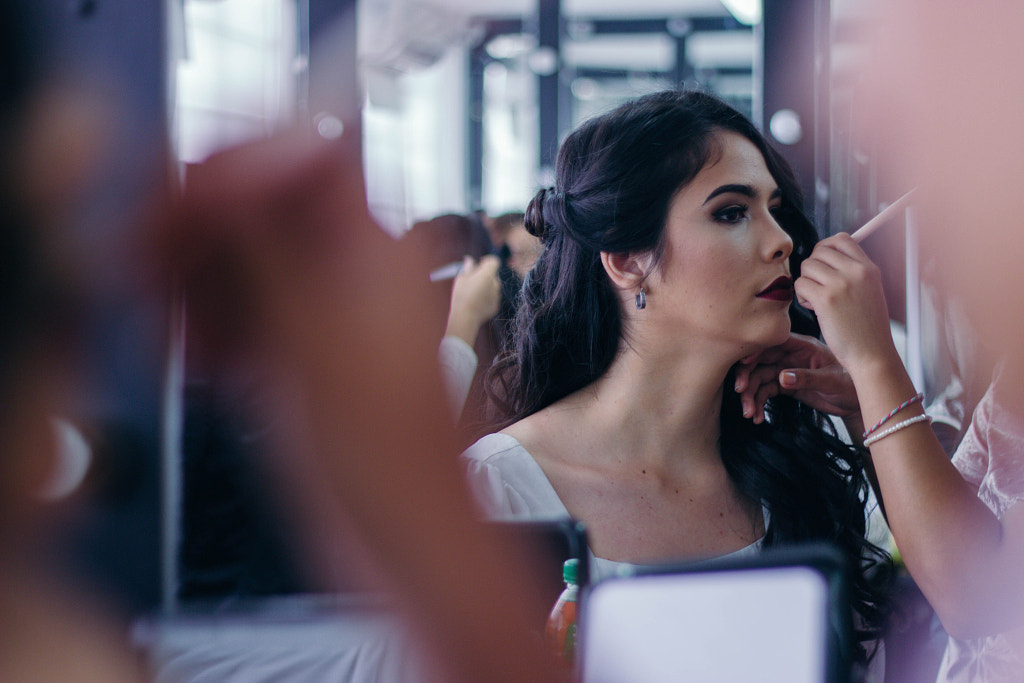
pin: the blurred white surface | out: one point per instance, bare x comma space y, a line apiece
287, 640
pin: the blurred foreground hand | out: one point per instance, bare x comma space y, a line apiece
282, 264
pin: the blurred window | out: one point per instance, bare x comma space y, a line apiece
237, 78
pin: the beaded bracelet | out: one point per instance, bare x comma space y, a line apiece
909, 402
896, 427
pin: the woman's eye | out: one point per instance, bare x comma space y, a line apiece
731, 214
777, 212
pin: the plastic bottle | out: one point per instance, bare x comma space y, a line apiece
561, 626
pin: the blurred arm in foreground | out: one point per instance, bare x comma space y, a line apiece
282, 263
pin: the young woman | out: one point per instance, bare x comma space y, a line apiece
671, 240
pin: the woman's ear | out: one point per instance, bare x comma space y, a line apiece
629, 270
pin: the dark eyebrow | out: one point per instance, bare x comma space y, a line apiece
745, 190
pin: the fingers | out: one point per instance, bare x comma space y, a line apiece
490, 264
802, 367
743, 370
798, 350
833, 250
480, 277
844, 289
764, 392
756, 361
757, 378
807, 290
838, 274
487, 265
834, 257
822, 269
843, 243
827, 380
828, 389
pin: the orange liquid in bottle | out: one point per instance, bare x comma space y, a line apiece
561, 630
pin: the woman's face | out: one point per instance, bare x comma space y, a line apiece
724, 275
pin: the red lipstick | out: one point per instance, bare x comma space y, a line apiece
779, 290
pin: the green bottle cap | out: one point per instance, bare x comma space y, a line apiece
569, 570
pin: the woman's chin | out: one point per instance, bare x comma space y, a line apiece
778, 334
763, 338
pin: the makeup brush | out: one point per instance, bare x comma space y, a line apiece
883, 217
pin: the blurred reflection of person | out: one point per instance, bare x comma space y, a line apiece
283, 265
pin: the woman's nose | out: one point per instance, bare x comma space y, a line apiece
778, 245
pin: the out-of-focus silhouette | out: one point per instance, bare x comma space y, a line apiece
283, 266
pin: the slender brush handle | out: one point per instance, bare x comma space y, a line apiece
879, 220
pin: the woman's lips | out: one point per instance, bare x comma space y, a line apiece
779, 290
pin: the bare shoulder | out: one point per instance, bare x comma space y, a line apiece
548, 435
529, 431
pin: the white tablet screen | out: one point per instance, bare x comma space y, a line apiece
764, 624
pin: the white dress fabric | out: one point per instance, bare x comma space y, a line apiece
509, 485
991, 457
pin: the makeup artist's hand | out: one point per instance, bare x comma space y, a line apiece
844, 289
801, 367
476, 297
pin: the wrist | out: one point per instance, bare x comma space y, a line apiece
882, 387
883, 367
462, 327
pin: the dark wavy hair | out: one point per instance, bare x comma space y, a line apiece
615, 178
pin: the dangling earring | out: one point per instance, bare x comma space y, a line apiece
641, 300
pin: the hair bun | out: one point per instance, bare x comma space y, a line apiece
539, 209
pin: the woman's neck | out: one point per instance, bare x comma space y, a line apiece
657, 407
